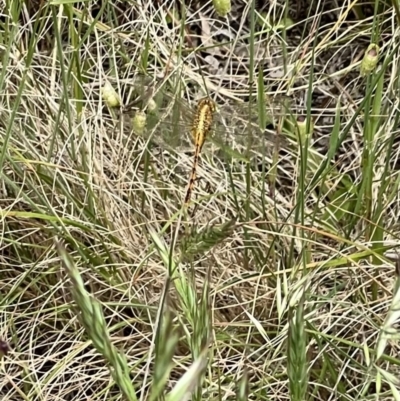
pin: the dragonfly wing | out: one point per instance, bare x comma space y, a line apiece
236, 127
169, 124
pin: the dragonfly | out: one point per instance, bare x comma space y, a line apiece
235, 130
200, 130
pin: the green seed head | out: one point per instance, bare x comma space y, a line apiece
302, 126
139, 122
222, 7
110, 96
285, 23
370, 60
151, 106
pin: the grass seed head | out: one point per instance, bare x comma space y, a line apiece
152, 106
302, 126
370, 60
139, 122
110, 96
222, 7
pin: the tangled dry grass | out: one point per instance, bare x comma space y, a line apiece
277, 284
